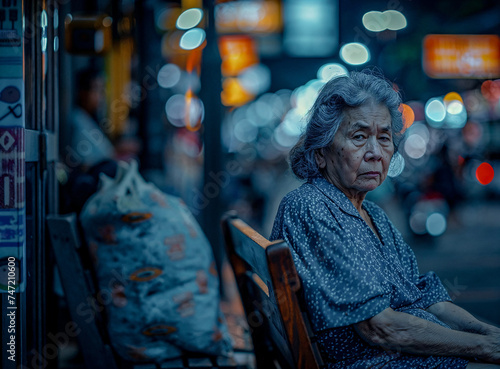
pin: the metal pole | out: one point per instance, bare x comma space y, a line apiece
210, 95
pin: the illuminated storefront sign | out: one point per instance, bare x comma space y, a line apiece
248, 17
461, 56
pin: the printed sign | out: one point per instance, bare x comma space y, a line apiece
11, 42
11, 228
11, 102
12, 166
12, 147
12, 238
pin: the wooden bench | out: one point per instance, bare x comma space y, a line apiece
73, 263
271, 294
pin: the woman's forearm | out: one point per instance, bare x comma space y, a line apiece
460, 319
407, 333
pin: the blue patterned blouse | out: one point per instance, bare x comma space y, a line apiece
350, 275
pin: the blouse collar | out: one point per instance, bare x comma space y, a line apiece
334, 194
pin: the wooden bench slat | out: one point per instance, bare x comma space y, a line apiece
252, 253
287, 283
282, 334
65, 241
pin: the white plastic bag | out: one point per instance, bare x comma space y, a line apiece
153, 259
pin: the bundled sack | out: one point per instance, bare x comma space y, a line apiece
152, 258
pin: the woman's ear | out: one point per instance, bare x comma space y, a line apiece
319, 155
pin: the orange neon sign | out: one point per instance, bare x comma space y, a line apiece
461, 56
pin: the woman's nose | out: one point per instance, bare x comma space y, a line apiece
373, 150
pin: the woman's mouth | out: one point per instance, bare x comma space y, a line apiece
371, 174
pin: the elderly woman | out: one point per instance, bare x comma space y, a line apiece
368, 304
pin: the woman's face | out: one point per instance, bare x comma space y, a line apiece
359, 157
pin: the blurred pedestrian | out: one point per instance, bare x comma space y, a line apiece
90, 151
89, 142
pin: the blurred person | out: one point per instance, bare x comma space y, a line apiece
368, 304
89, 143
444, 182
90, 152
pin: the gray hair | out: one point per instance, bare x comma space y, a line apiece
327, 114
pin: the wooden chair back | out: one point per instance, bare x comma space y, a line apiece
270, 290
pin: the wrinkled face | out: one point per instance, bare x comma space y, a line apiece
359, 157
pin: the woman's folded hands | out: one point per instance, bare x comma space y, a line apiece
402, 332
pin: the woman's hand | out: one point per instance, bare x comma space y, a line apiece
406, 333
460, 319
494, 355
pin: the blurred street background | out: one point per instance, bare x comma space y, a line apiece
219, 93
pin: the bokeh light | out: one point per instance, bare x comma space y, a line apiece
354, 53
189, 18
233, 93
182, 109
390, 19
415, 146
435, 112
293, 124
192, 39
175, 110
309, 27
435, 224
455, 107
451, 96
456, 115
421, 130
283, 137
396, 20
374, 21
188, 81
331, 70
194, 111
256, 79
245, 131
417, 222
305, 96
485, 173
491, 90
169, 75
408, 116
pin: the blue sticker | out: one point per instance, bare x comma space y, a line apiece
11, 228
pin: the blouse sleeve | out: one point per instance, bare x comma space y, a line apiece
432, 290
339, 289
429, 283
